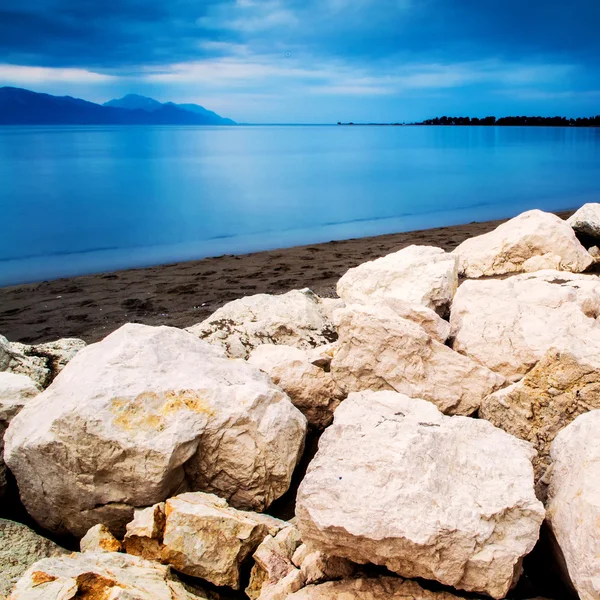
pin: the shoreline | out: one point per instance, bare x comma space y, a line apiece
182, 294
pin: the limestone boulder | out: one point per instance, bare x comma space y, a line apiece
564, 384
377, 350
317, 567
15, 392
574, 501
375, 588
421, 275
533, 240
298, 318
508, 325
310, 386
142, 415
586, 221
398, 484
21, 547
199, 535
102, 575
99, 539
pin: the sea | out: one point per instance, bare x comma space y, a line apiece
85, 199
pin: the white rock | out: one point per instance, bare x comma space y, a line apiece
143, 414
317, 567
421, 275
377, 350
574, 501
586, 220
508, 325
564, 384
398, 484
311, 388
102, 575
298, 318
511, 245
380, 588
99, 539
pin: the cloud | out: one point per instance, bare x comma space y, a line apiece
27, 75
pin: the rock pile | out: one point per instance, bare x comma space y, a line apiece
455, 419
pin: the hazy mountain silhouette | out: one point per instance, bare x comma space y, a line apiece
23, 107
136, 102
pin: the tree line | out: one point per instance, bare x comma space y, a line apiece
523, 121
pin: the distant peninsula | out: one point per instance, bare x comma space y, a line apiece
24, 107
502, 121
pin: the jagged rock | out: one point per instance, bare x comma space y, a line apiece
508, 325
430, 321
317, 567
273, 573
99, 539
41, 362
421, 275
380, 588
586, 221
21, 547
311, 388
101, 575
15, 392
377, 350
145, 413
298, 318
536, 236
574, 501
396, 483
199, 535
564, 384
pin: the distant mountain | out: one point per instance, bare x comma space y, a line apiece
23, 107
136, 102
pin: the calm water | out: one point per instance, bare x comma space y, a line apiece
78, 200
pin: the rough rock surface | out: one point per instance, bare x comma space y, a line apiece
421, 275
563, 385
377, 350
310, 387
101, 575
99, 539
199, 535
542, 238
15, 392
317, 567
574, 501
298, 318
397, 483
41, 362
586, 221
380, 588
508, 325
145, 413
20, 547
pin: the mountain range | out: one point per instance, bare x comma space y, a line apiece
24, 107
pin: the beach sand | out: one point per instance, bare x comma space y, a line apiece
183, 294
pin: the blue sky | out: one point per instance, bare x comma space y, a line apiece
313, 61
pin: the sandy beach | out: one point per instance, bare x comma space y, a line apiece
182, 294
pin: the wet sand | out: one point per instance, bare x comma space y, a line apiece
183, 294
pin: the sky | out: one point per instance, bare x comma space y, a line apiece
313, 61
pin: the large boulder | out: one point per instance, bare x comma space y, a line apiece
145, 413
586, 221
373, 588
102, 576
508, 325
398, 484
310, 386
378, 350
298, 318
564, 384
21, 547
199, 535
421, 275
15, 392
532, 241
574, 501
